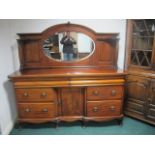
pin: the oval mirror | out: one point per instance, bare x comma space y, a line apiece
68, 46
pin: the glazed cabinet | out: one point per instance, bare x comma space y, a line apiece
140, 60
68, 73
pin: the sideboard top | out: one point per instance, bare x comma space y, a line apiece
65, 72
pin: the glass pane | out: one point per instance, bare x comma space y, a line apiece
142, 42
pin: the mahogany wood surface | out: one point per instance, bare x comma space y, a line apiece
104, 108
52, 91
37, 110
32, 55
33, 94
104, 93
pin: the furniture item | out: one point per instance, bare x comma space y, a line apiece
140, 60
86, 89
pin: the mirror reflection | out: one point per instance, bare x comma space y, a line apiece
68, 46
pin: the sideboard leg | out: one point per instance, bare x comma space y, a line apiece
120, 122
18, 125
57, 124
84, 124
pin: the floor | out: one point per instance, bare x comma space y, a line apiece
130, 127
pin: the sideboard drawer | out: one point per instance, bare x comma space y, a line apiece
103, 108
106, 92
37, 110
32, 94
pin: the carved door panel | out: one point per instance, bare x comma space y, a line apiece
72, 101
137, 92
151, 102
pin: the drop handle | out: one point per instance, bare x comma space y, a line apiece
112, 108
25, 94
113, 92
43, 94
95, 109
95, 92
45, 110
27, 110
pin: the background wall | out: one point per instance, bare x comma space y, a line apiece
9, 55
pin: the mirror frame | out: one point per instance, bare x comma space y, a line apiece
75, 60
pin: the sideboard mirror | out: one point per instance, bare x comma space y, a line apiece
68, 46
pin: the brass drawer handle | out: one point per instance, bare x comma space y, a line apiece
27, 110
95, 109
45, 110
113, 92
95, 92
43, 94
112, 108
25, 94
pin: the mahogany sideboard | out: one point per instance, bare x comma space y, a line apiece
90, 89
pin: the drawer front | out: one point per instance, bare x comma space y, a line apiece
37, 110
104, 93
103, 108
135, 107
151, 112
24, 95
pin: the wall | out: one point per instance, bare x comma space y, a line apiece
7, 104
9, 54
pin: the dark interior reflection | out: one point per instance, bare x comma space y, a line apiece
68, 46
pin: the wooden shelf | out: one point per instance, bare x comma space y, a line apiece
137, 36
143, 50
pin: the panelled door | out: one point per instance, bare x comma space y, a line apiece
151, 102
137, 95
72, 103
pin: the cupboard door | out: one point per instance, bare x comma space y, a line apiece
151, 112
152, 93
140, 43
137, 95
72, 101
151, 102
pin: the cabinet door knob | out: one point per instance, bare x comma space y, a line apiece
149, 100
95, 92
43, 94
27, 110
25, 94
113, 92
112, 108
95, 109
45, 110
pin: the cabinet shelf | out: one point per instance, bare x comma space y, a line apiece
140, 36
142, 50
